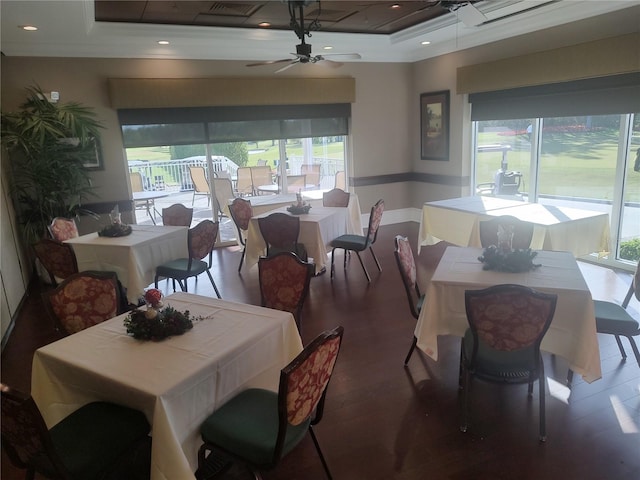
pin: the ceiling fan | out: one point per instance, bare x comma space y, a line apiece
303, 49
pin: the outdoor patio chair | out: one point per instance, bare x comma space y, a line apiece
241, 213
93, 442
336, 198
57, 258
502, 345
201, 240
522, 231
258, 427
313, 174
177, 215
85, 299
360, 243
284, 282
223, 193
341, 180
260, 176
62, 229
200, 183
295, 183
280, 232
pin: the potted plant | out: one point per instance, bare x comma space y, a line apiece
48, 145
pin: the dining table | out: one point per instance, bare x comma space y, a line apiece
176, 382
572, 333
457, 220
133, 257
317, 229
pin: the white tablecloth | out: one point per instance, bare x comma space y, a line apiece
176, 382
572, 333
317, 229
134, 257
456, 220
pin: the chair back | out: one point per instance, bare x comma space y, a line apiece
261, 175
223, 189
284, 282
312, 173
58, 259
25, 437
62, 229
83, 300
374, 221
634, 288
336, 198
199, 179
136, 182
341, 180
522, 231
280, 232
261, 163
507, 317
202, 239
407, 267
177, 215
244, 184
241, 213
222, 174
296, 183
304, 382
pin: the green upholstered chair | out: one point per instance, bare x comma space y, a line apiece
87, 445
201, 240
502, 345
522, 231
280, 232
57, 258
359, 243
241, 213
177, 215
258, 427
614, 319
336, 197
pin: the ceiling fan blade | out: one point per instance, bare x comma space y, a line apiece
287, 67
345, 56
331, 63
268, 62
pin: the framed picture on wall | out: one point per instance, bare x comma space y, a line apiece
95, 161
434, 125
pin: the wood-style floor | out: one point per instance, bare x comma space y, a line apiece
387, 422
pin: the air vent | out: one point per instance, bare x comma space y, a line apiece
233, 9
327, 15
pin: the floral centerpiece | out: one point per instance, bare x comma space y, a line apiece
507, 260
157, 322
299, 207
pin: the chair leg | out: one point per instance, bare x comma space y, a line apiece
241, 259
363, 267
634, 347
414, 342
155, 281
542, 414
333, 251
375, 259
465, 398
569, 378
324, 463
214, 284
622, 352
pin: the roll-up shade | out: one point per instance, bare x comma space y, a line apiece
174, 126
616, 94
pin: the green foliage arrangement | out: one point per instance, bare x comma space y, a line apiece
165, 323
48, 145
513, 261
630, 250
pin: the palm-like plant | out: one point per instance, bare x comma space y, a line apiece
48, 144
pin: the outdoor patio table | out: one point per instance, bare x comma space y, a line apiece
176, 382
134, 257
572, 334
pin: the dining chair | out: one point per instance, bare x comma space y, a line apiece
90, 443
259, 427
284, 282
408, 272
241, 213
57, 258
280, 232
177, 215
360, 243
522, 231
223, 192
200, 183
502, 344
336, 198
341, 180
614, 319
62, 229
200, 241
85, 299
312, 173
244, 184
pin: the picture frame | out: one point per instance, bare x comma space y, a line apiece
434, 125
96, 162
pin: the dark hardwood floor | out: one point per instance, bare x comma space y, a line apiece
387, 422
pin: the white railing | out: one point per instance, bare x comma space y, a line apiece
174, 174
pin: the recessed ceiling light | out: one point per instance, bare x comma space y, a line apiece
327, 47
264, 24
395, 6
426, 42
163, 42
28, 28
